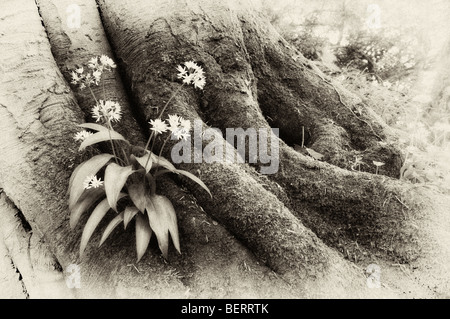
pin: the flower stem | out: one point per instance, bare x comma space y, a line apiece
110, 139
93, 95
170, 99
160, 151
149, 139
303, 136
109, 128
103, 87
153, 132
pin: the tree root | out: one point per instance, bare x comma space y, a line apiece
334, 203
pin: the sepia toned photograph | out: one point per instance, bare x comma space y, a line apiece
224, 150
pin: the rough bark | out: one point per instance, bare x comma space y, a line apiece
73, 47
295, 221
40, 273
251, 71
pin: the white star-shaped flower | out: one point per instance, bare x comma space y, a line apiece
96, 182
107, 111
192, 73
93, 63
82, 135
158, 126
107, 62
92, 181
174, 121
185, 124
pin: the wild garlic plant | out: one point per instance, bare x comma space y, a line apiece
121, 181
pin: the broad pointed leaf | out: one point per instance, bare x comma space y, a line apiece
72, 177
409, 172
101, 136
93, 221
418, 177
111, 226
314, 154
161, 161
162, 203
404, 167
161, 172
143, 235
115, 178
128, 214
138, 195
88, 198
143, 162
87, 168
95, 127
163, 220
194, 178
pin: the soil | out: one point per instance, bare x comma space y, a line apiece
214, 264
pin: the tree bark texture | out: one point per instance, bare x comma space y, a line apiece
311, 222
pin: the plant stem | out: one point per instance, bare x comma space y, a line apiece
109, 128
162, 147
153, 132
149, 139
146, 146
110, 139
93, 95
303, 136
150, 153
103, 87
170, 99
153, 187
126, 157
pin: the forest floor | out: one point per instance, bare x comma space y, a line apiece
215, 265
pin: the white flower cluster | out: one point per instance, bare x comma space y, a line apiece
107, 111
82, 135
178, 126
97, 65
192, 73
92, 181
105, 63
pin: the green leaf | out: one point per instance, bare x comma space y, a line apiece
129, 213
163, 220
95, 127
143, 235
111, 226
72, 177
93, 221
154, 161
161, 161
115, 178
88, 198
143, 161
404, 167
161, 172
314, 154
194, 178
409, 172
376, 163
138, 195
101, 136
85, 169
418, 177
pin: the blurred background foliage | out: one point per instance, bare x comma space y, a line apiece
394, 54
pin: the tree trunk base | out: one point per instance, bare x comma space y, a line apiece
309, 230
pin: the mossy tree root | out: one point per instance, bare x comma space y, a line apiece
335, 203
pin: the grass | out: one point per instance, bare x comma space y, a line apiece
423, 129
